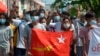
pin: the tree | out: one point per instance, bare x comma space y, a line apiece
59, 3
93, 4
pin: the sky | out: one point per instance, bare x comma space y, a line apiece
48, 1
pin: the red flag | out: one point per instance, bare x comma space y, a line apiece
44, 43
3, 8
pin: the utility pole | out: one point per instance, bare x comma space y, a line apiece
8, 12
30, 4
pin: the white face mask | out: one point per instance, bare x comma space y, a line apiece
66, 25
93, 22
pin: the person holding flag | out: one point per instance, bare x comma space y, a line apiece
46, 43
27, 30
66, 26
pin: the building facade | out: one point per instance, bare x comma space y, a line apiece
23, 4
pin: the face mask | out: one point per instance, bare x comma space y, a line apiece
66, 25
93, 22
35, 18
2, 21
56, 18
28, 17
42, 15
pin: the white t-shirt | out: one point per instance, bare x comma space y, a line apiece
20, 39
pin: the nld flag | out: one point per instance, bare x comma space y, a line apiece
44, 43
94, 48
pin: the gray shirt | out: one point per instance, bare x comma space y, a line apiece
5, 34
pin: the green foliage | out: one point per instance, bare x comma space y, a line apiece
59, 3
73, 11
93, 4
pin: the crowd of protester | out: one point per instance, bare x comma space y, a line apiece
15, 31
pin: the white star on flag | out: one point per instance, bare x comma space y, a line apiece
61, 39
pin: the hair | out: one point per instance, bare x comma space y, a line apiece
7, 20
40, 20
34, 13
66, 13
88, 16
66, 18
28, 12
42, 10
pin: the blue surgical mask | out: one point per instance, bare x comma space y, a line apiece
35, 18
93, 22
42, 15
2, 21
28, 17
56, 18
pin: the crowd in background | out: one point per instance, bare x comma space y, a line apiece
15, 31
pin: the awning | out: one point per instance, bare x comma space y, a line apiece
39, 2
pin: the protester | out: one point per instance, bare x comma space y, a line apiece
54, 22
16, 32
20, 49
6, 36
79, 23
27, 30
85, 31
67, 25
60, 25
14, 28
